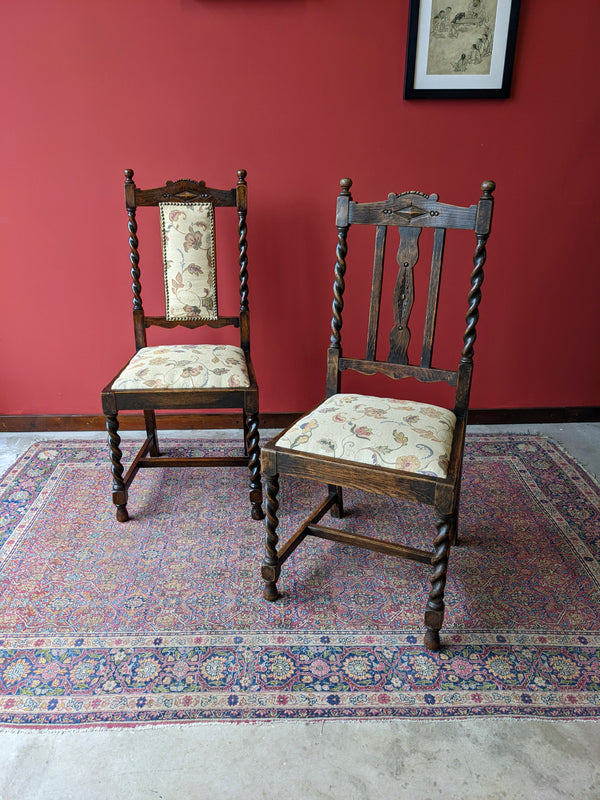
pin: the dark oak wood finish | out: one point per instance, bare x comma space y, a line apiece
411, 213
150, 400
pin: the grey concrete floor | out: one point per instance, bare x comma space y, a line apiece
471, 759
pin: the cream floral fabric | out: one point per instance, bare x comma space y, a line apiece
189, 260
185, 366
397, 434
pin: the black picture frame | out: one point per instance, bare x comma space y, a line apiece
437, 64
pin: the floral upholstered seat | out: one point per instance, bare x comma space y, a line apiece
185, 366
396, 434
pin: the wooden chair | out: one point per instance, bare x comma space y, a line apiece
196, 376
405, 449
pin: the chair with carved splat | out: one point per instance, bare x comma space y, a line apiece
186, 376
405, 449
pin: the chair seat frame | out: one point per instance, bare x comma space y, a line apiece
150, 400
443, 494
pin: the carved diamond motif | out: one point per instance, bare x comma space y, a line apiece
411, 212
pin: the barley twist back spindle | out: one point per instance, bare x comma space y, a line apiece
477, 276
134, 255
243, 247
338, 287
340, 268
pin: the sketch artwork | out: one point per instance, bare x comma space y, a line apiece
461, 37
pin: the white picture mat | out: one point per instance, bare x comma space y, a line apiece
460, 81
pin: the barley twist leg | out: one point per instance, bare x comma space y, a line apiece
434, 613
119, 489
253, 450
270, 567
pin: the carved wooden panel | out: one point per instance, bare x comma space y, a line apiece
376, 285
439, 238
412, 209
408, 254
185, 191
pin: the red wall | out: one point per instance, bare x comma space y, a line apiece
300, 93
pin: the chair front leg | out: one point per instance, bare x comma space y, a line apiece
252, 440
270, 567
434, 613
119, 489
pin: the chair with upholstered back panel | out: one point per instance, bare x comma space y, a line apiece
402, 448
186, 376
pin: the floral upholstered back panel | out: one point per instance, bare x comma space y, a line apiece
188, 241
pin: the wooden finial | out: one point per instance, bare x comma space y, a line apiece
487, 187
241, 173
345, 183
128, 176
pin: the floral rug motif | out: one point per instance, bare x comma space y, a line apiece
161, 619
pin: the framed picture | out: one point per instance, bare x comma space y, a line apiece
460, 48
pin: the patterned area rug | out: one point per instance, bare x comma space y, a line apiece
161, 619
